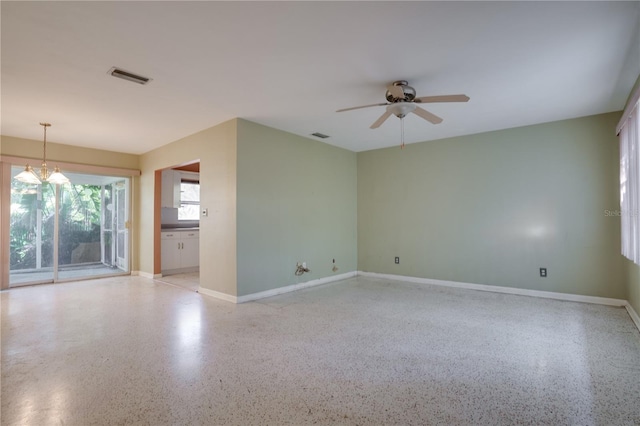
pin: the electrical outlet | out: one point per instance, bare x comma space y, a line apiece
397, 260
543, 272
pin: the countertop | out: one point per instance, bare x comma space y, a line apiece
179, 229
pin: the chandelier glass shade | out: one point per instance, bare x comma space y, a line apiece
29, 175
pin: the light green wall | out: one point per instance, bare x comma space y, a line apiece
492, 208
296, 203
632, 280
216, 150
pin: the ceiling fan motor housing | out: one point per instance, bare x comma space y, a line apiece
409, 92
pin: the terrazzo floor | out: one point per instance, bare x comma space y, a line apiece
70, 272
129, 350
187, 280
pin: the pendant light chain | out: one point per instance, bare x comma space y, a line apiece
44, 172
44, 149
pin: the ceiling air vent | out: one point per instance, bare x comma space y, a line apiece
319, 135
126, 75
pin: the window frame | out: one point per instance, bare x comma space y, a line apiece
629, 136
188, 180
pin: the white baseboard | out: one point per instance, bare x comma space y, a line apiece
634, 315
218, 295
275, 291
498, 289
294, 287
455, 284
145, 274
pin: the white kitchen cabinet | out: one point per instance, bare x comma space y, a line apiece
190, 249
171, 188
180, 251
170, 250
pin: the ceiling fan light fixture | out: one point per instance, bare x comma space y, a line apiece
401, 109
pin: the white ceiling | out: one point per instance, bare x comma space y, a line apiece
290, 65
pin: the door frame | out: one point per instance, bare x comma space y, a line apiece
7, 161
157, 211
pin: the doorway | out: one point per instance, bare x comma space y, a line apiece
67, 232
177, 248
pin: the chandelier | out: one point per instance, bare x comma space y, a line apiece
29, 175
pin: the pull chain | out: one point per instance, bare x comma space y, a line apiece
402, 133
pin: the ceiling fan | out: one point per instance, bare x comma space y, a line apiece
401, 100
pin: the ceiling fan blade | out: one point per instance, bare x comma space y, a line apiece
427, 115
363, 106
381, 120
443, 98
396, 91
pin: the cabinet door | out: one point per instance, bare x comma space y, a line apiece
170, 251
177, 180
171, 180
190, 249
167, 188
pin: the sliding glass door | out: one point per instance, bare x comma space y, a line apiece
66, 232
120, 222
31, 250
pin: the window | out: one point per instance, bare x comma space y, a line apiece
630, 183
189, 200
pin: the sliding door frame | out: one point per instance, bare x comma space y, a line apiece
6, 162
5, 214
